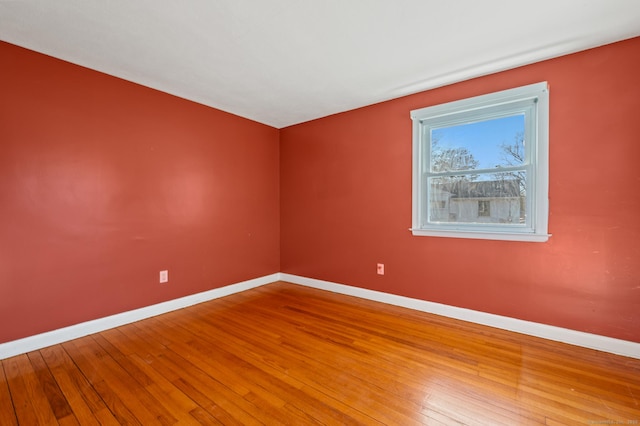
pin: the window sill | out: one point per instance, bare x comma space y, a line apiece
482, 235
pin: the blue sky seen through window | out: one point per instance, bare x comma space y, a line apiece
483, 139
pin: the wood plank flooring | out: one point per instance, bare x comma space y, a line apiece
286, 354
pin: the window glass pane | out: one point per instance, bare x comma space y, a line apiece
491, 198
481, 145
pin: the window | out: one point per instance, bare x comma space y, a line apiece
480, 166
484, 208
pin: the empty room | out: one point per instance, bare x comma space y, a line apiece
320, 212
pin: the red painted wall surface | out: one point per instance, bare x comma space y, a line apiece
103, 183
346, 203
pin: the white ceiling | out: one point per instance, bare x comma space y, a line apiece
282, 62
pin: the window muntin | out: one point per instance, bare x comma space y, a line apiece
481, 166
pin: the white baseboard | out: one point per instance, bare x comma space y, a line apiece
572, 337
39, 341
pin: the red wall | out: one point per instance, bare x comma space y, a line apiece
346, 203
103, 183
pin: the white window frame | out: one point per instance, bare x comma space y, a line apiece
533, 100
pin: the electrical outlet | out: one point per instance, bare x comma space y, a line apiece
164, 276
380, 268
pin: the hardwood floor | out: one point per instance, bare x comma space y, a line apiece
286, 354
